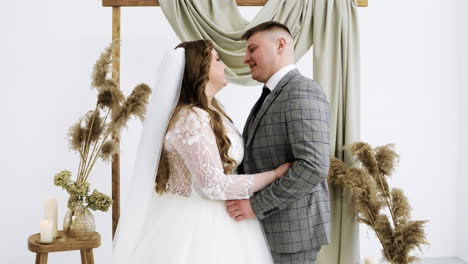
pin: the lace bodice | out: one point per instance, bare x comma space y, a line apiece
195, 163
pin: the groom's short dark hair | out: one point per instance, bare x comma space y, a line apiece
266, 26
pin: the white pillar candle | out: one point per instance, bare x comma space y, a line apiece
370, 260
46, 232
50, 213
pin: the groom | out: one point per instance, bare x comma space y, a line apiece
289, 123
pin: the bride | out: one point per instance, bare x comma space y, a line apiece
193, 149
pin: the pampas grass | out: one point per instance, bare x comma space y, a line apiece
102, 65
90, 135
371, 194
110, 95
108, 149
135, 105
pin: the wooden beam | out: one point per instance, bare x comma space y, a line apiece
116, 158
362, 3
156, 2
130, 2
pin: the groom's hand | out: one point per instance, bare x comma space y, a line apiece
240, 209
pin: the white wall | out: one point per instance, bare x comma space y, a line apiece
462, 198
47, 50
410, 97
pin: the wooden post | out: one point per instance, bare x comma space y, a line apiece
116, 137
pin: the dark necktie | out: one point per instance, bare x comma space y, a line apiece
259, 103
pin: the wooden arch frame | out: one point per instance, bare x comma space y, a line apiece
116, 4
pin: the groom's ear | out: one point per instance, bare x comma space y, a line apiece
281, 45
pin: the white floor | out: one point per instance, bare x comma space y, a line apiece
443, 261
440, 261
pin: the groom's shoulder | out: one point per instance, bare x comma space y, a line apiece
296, 80
304, 87
303, 81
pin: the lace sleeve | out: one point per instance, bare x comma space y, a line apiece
195, 142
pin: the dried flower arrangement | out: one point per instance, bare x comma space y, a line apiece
90, 136
371, 194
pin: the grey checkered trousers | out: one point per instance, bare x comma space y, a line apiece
292, 125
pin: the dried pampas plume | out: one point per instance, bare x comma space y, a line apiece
110, 95
76, 133
371, 194
89, 136
134, 105
108, 149
93, 126
102, 65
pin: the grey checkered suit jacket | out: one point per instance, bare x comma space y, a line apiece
292, 125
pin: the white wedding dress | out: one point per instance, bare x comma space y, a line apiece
189, 224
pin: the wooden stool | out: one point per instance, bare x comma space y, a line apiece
63, 243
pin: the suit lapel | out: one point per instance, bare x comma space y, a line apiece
251, 126
246, 126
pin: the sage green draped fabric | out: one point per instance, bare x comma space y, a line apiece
221, 22
331, 27
336, 61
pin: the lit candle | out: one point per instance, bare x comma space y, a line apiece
46, 231
50, 213
370, 260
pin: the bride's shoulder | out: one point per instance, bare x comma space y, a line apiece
193, 112
191, 118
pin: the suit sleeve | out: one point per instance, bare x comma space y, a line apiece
307, 122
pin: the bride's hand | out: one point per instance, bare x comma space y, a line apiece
281, 170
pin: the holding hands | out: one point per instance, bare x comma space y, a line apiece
241, 209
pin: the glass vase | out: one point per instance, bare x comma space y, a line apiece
78, 222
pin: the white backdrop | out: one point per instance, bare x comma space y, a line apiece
411, 97
411, 81
462, 183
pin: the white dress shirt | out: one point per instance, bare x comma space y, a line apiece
276, 78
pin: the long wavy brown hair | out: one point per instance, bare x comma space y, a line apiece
192, 94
